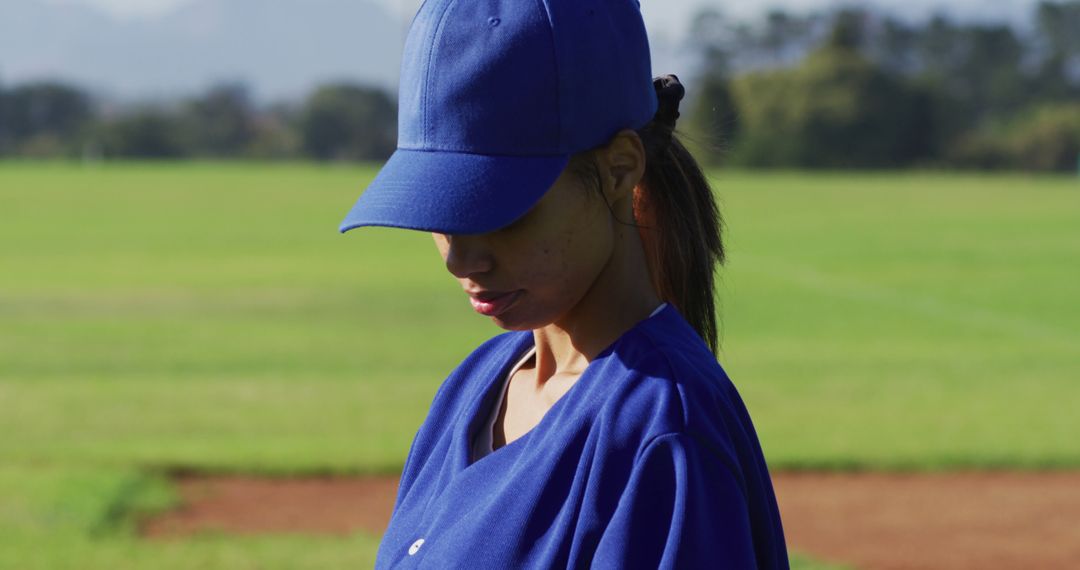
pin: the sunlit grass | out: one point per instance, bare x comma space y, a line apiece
210, 316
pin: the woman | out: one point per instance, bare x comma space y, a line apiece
600, 431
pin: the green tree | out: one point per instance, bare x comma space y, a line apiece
1046, 138
43, 114
836, 110
143, 133
713, 119
276, 134
783, 35
710, 116
6, 135
220, 123
1043, 138
349, 122
1058, 44
975, 73
847, 33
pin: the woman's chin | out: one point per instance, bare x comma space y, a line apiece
519, 319
510, 323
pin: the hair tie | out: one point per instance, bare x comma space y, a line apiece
669, 91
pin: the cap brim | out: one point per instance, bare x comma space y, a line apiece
453, 193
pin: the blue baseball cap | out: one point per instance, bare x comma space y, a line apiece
495, 97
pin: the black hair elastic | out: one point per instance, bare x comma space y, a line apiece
669, 92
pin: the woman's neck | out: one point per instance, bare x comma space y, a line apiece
621, 296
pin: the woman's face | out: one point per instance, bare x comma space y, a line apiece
534, 271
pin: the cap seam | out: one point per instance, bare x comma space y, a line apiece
429, 78
545, 8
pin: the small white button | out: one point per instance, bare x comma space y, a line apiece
416, 546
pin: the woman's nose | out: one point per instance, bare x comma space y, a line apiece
466, 255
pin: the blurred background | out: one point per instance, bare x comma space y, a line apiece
900, 183
805, 84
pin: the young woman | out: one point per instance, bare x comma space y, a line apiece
600, 431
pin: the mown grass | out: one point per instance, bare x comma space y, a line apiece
209, 316
80, 518
906, 321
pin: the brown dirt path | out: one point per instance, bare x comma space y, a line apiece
259, 505
873, 521
957, 520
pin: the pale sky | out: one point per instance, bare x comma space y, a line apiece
666, 20
670, 16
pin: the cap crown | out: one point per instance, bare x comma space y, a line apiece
523, 77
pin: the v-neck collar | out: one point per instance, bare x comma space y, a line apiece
474, 418
483, 442
522, 342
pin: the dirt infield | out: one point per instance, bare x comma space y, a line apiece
948, 520
871, 521
253, 505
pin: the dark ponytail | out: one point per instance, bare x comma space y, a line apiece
679, 221
677, 218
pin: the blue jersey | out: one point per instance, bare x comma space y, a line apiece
648, 461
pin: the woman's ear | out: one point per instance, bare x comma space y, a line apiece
622, 165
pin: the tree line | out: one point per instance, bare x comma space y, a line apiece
335, 122
857, 89
849, 88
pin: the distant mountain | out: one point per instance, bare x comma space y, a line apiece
280, 48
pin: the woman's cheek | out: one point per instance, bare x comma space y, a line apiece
543, 266
545, 271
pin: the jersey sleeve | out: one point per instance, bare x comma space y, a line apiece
682, 508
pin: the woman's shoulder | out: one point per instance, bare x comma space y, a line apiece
665, 354
675, 385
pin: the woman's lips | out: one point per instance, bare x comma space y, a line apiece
490, 305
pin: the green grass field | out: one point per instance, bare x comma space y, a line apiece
210, 316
